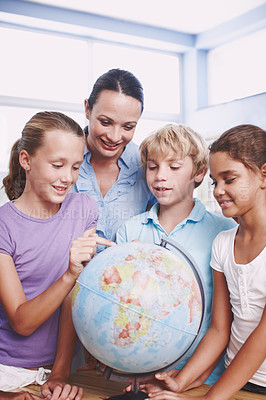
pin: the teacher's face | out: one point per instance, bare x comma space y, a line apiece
112, 123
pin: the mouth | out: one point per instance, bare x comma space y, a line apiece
60, 189
225, 203
161, 189
110, 145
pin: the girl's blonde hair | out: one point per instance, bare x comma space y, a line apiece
182, 140
32, 138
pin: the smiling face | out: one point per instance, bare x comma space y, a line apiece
236, 188
112, 123
53, 169
171, 179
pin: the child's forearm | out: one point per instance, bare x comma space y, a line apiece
32, 313
244, 365
67, 340
204, 359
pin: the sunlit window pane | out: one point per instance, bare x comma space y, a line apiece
42, 66
158, 73
237, 69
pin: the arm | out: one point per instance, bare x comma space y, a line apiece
67, 340
244, 365
56, 387
25, 316
215, 340
211, 346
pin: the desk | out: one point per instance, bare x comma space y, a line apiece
98, 388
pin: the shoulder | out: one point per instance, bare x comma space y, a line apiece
224, 237
221, 249
6, 211
130, 229
213, 223
131, 154
80, 201
219, 220
81, 198
137, 220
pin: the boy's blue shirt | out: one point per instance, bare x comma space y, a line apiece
195, 234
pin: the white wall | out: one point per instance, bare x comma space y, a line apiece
213, 121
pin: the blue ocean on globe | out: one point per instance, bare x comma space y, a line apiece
137, 307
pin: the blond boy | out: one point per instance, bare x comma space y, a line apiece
175, 160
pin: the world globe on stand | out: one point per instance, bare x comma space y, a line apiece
138, 307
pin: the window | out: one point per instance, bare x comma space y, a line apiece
45, 71
237, 69
41, 66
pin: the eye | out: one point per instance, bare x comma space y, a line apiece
174, 167
151, 167
105, 122
57, 165
214, 183
129, 127
228, 181
76, 168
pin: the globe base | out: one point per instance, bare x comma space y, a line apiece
138, 395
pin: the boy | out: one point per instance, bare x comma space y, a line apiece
175, 160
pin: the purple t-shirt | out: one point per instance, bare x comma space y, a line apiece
40, 251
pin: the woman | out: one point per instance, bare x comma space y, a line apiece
111, 171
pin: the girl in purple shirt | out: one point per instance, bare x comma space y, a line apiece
46, 236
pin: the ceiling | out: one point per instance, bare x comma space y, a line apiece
188, 16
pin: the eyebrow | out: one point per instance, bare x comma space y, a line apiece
172, 159
229, 171
111, 119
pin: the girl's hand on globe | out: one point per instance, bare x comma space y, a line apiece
83, 249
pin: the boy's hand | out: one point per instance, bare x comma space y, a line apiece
164, 381
152, 384
83, 249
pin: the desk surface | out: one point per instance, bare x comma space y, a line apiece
98, 388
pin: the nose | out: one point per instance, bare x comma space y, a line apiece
67, 176
218, 190
114, 135
161, 173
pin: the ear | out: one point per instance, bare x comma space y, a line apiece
200, 175
263, 175
24, 160
87, 111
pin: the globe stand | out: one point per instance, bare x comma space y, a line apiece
134, 394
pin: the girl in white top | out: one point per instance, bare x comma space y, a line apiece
238, 171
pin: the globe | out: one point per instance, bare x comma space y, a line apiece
138, 307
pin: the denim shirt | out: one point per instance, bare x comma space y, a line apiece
128, 196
